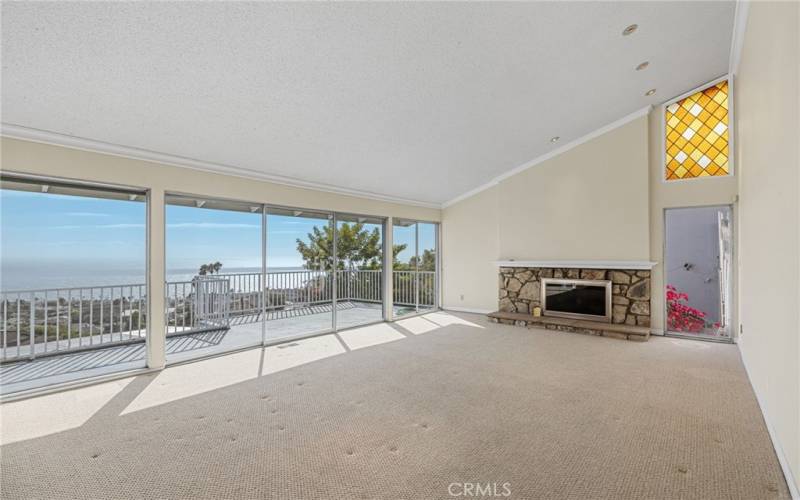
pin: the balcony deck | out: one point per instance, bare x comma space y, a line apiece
245, 331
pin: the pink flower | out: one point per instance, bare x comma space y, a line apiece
680, 316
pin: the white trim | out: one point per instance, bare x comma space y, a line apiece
737, 40
467, 310
663, 140
579, 264
77, 183
563, 149
698, 89
782, 460
42, 136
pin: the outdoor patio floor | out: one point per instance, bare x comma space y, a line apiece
245, 331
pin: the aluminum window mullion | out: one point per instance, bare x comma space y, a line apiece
416, 266
264, 235
335, 261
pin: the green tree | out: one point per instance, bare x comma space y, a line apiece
426, 263
357, 248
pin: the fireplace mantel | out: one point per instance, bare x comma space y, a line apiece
579, 264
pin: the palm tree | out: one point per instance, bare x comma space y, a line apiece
211, 268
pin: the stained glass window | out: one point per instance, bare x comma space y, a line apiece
697, 134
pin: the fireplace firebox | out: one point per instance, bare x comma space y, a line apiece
577, 298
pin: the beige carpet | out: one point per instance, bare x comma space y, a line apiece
553, 415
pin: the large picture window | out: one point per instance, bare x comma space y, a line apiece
73, 286
697, 134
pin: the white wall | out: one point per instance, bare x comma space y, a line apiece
591, 202
587, 203
767, 109
469, 245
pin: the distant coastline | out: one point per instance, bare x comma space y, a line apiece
28, 279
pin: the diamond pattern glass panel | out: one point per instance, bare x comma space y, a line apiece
697, 134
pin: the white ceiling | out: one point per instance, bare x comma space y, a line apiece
420, 101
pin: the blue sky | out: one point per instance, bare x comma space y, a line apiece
48, 229
43, 231
405, 235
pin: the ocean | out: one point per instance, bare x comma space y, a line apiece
66, 276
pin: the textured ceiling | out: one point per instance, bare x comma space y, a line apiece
412, 100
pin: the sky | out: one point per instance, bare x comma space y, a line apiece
50, 233
46, 229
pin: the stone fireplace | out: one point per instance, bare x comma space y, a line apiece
520, 290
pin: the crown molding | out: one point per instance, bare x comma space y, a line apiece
737, 40
552, 154
13, 131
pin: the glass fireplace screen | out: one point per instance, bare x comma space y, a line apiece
578, 299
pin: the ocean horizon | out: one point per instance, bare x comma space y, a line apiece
17, 279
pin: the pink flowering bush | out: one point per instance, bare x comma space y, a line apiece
680, 316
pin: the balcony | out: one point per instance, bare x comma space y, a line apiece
68, 334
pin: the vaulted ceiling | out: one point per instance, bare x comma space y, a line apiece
418, 101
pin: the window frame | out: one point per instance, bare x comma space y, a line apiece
731, 132
15, 176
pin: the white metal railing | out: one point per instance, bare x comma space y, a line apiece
360, 285
408, 284
293, 289
46, 321
69, 319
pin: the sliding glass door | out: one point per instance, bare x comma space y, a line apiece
415, 267
300, 281
242, 274
359, 275
213, 291
425, 266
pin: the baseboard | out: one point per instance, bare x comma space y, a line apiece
784, 462
467, 310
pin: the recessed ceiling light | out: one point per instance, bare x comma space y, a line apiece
650, 92
643, 66
555, 139
630, 29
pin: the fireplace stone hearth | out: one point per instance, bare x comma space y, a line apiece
520, 290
